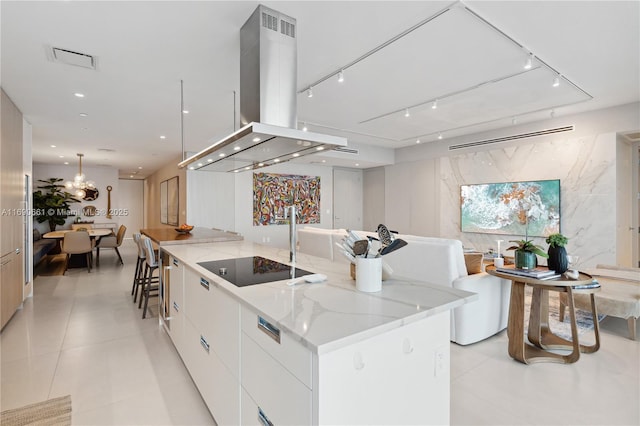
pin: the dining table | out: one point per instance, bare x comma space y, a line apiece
75, 261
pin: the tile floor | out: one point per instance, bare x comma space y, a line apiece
81, 335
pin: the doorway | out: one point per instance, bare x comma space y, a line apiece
347, 198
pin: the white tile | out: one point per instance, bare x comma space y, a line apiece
27, 380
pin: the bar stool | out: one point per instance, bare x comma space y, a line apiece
137, 275
151, 265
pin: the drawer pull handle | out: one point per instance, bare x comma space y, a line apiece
263, 418
268, 329
176, 307
204, 283
204, 343
175, 262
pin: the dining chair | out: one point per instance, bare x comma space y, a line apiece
111, 241
77, 242
151, 265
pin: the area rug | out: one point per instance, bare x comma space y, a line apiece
53, 265
52, 412
584, 319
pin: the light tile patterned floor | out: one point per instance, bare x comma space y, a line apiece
82, 335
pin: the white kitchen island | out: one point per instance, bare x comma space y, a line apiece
310, 353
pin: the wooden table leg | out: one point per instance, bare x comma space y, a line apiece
515, 325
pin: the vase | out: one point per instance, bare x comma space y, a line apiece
525, 259
557, 259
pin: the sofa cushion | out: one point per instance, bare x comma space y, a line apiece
473, 261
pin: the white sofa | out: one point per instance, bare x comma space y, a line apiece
439, 261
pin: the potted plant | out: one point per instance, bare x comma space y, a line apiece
51, 204
557, 253
525, 253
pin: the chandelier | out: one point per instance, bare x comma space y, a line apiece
79, 183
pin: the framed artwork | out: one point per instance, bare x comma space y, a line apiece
169, 206
512, 208
272, 193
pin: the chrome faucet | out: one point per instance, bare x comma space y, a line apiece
291, 212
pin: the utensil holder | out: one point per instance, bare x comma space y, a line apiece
369, 274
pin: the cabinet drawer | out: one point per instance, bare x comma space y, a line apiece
219, 389
282, 398
217, 315
288, 352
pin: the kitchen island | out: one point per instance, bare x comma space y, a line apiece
319, 353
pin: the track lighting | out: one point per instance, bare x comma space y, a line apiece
418, 141
434, 105
440, 136
407, 113
552, 113
529, 62
304, 127
556, 81
310, 92
341, 76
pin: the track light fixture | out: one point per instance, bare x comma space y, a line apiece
407, 113
439, 135
418, 141
552, 113
310, 92
304, 126
434, 105
556, 81
341, 76
529, 62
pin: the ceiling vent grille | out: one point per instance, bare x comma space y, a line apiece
69, 57
269, 21
346, 150
513, 137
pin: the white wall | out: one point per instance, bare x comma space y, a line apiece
211, 199
102, 176
373, 198
131, 199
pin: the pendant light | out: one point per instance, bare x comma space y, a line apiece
79, 183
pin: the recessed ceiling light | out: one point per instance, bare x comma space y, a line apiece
139, 167
222, 154
357, 164
248, 168
79, 95
163, 137
185, 111
83, 114
131, 176
200, 164
319, 148
61, 156
256, 139
324, 161
277, 160
66, 162
407, 113
236, 171
304, 127
236, 148
260, 164
209, 160
53, 146
296, 154
434, 105
191, 168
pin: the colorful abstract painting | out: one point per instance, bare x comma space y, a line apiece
272, 193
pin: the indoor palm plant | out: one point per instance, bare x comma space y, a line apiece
525, 253
557, 253
51, 204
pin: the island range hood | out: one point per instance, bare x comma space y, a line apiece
268, 112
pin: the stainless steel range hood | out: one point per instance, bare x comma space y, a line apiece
268, 103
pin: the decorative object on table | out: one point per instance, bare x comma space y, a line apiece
508, 208
80, 184
525, 253
51, 204
272, 193
368, 274
557, 253
354, 248
109, 189
184, 228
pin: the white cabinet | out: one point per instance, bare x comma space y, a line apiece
176, 297
212, 345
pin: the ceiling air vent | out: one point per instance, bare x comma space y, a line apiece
346, 150
513, 137
69, 57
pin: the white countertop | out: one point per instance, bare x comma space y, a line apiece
328, 315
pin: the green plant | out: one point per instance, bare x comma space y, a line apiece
51, 204
527, 245
557, 240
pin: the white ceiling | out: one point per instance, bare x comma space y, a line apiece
145, 48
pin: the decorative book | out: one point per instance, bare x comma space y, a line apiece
530, 273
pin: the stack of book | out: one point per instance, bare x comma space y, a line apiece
539, 274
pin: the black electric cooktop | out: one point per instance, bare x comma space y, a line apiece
245, 271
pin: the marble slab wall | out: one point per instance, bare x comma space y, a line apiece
586, 167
